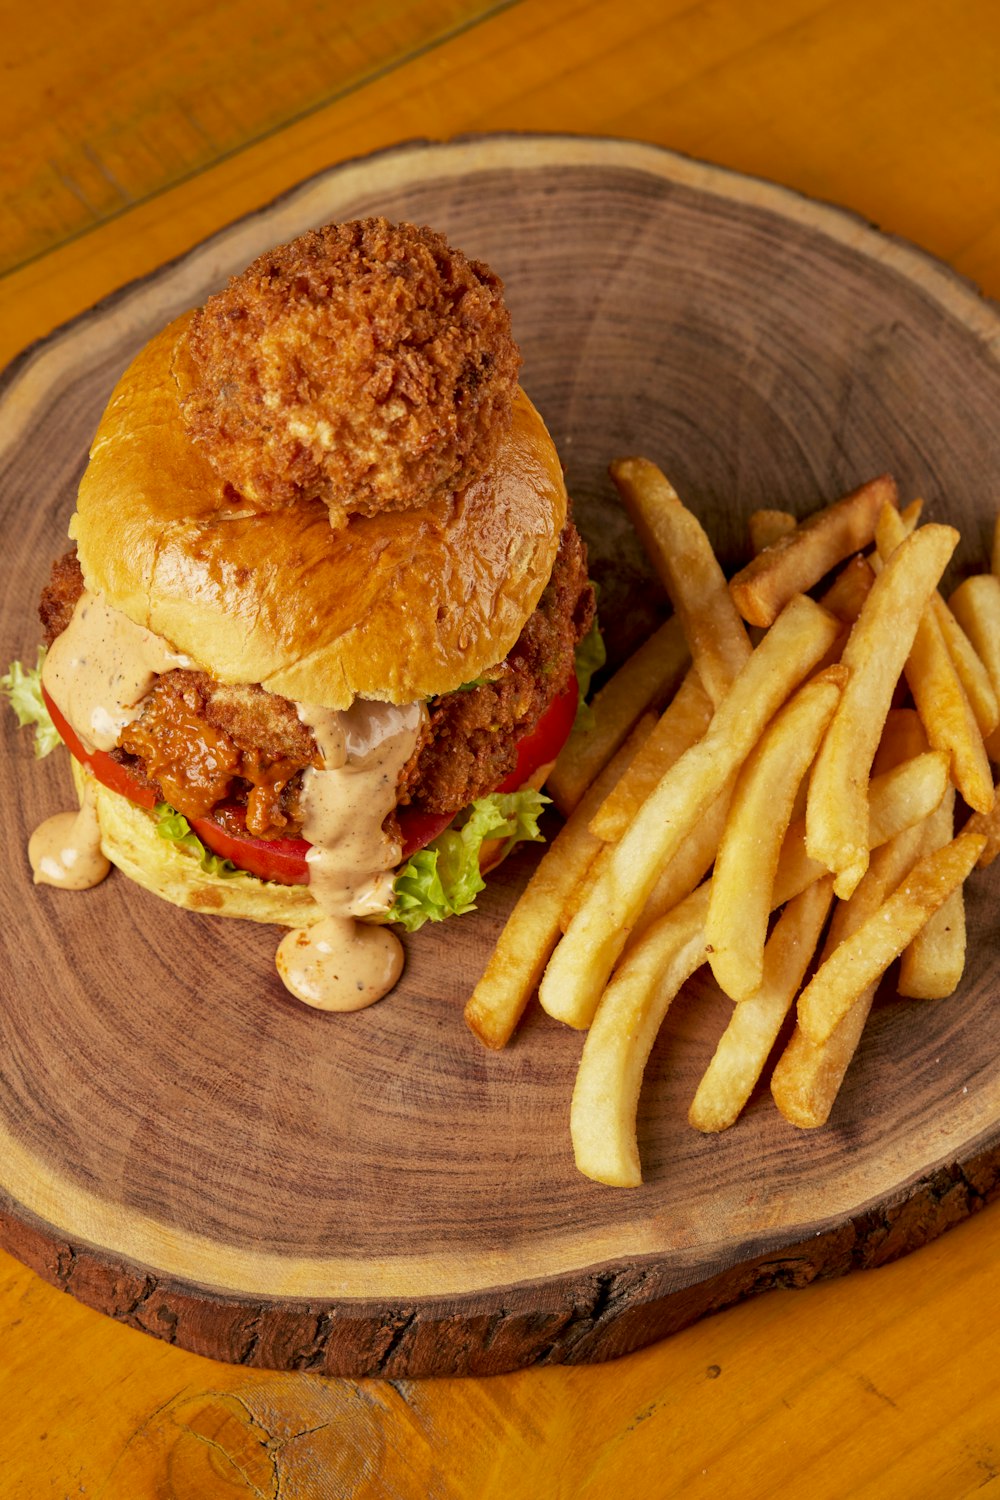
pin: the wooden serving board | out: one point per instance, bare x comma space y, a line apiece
185, 1147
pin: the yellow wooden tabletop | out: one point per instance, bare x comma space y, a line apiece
130, 130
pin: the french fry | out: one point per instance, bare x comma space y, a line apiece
532, 929
759, 815
863, 958
682, 555
681, 725
988, 824
747, 1041
973, 676
979, 690
807, 1076
837, 810
677, 877
578, 969
937, 690
976, 606
799, 560
899, 799
933, 964
909, 516
688, 867
767, 526
902, 738
646, 680
847, 593
995, 560
631, 1012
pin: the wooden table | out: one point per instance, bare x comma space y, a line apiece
127, 133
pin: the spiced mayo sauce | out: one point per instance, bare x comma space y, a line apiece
99, 670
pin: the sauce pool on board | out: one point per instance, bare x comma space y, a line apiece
65, 850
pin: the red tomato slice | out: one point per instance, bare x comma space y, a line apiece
546, 739
109, 773
284, 860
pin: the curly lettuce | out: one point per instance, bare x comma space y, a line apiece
22, 687
444, 879
175, 828
589, 658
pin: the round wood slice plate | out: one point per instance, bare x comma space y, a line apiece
185, 1147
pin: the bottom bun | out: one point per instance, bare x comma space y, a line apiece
129, 840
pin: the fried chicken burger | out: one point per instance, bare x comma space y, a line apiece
313, 650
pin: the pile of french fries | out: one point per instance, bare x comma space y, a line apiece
811, 760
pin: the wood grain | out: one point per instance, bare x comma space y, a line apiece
189, 87
186, 1148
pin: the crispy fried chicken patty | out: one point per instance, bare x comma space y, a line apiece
199, 743
368, 364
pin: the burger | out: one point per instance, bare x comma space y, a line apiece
315, 646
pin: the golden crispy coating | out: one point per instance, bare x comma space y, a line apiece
366, 363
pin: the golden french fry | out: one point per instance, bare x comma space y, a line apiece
759, 815
807, 1076
767, 526
646, 680
682, 555
972, 673
893, 526
837, 810
947, 715
747, 1041
976, 606
631, 1012
847, 593
910, 515
899, 798
797, 561
681, 725
988, 824
995, 561
677, 877
578, 969
933, 964
861, 959
937, 690
973, 676
905, 795
532, 929
902, 738
688, 867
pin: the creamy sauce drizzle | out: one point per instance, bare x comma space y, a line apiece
65, 850
340, 963
101, 667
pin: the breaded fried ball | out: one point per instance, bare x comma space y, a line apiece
366, 363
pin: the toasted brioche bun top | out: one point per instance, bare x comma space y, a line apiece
394, 606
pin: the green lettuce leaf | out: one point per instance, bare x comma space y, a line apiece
23, 690
590, 658
443, 880
175, 828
